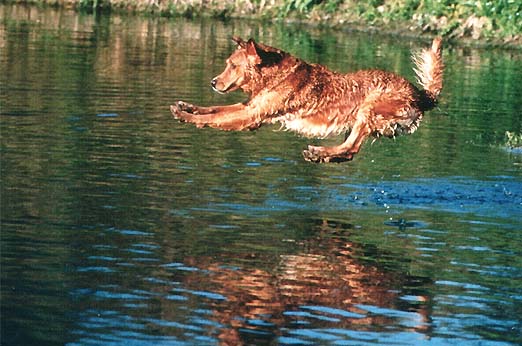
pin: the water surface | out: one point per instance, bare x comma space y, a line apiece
123, 226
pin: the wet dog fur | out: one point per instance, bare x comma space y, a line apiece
316, 102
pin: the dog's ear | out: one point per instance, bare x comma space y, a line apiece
267, 55
239, 41
252, 52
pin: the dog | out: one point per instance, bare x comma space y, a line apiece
317, 102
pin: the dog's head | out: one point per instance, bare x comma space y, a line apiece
248, 58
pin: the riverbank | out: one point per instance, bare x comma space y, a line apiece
481, 22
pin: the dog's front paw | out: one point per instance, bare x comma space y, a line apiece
175, 111
187, 107
181, 115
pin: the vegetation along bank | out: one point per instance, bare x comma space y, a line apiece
497, 22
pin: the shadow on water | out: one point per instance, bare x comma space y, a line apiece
120, 225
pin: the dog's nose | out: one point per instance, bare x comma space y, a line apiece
213, 83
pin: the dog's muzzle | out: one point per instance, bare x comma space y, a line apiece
213, 84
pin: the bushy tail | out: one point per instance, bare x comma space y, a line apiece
429, 68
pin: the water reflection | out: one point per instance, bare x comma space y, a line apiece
327, 281
251, 298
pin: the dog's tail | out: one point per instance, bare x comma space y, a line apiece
429, 68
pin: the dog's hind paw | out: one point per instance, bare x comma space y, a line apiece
315, 154
321, 155
311, 156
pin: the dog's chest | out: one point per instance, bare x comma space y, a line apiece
311, 126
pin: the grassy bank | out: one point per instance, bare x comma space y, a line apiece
494, 22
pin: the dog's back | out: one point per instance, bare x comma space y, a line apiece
320, 103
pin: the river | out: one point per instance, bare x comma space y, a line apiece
120, 225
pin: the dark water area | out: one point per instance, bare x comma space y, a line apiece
121, 226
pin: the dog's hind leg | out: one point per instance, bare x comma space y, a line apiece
344, 151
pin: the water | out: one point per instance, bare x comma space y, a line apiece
123, 226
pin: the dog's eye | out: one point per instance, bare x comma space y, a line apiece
232, 65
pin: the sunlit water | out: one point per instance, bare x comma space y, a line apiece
121, 226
